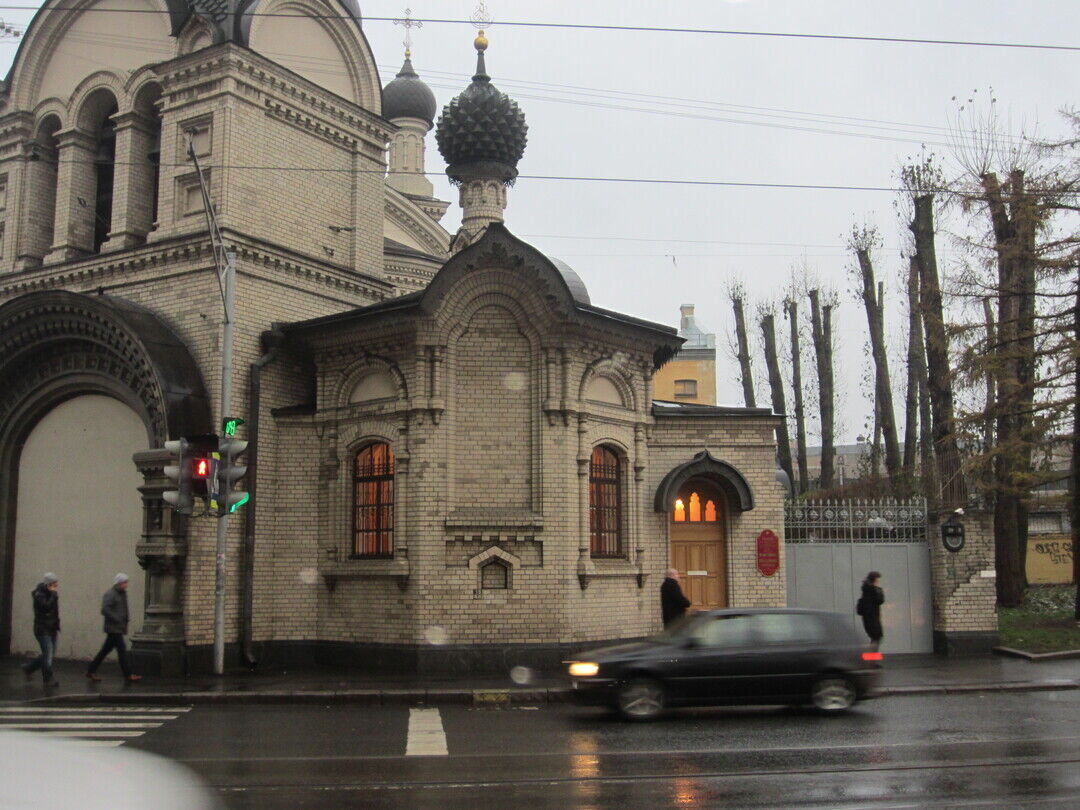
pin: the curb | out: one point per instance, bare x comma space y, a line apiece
1061, 655
472, 697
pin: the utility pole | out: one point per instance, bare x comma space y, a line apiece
225, 264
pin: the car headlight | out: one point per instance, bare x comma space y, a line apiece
584, 669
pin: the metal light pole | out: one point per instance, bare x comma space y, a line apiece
225, 263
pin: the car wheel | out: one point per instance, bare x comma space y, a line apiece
640, 699
833, 693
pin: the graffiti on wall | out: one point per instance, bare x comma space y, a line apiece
1049, 559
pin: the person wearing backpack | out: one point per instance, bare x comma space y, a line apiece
869, 607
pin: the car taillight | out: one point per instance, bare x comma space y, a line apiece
872, 656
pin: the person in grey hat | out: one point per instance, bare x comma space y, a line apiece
114, 608
46, 626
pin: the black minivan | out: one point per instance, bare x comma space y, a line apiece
753, 655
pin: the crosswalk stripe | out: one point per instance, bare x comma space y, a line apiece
27, 726
90, 734
97, 718
426, 735
95, 725
102, 709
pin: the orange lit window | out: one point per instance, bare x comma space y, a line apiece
710, 512
605, 526
373, 502
680, 510
695, 508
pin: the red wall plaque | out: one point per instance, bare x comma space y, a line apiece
768, 553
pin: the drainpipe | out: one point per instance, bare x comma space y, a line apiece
271, 341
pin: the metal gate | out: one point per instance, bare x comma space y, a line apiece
831, 545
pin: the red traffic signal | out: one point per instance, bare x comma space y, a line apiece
200, 467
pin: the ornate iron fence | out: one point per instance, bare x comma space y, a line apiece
858, 520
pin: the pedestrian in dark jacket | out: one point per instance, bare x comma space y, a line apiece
46, 626
869, 607
673, 603
114, 608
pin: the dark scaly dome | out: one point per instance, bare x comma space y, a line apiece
408, 97
481, 133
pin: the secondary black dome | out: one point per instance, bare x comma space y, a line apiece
482, 132
408, 97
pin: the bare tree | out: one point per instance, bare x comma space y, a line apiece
911, 394
737, 295
821, 307
791, 310
767, 319
921, 181
862, 241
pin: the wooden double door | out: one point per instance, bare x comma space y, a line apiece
699, 544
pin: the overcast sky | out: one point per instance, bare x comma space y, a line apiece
656, 105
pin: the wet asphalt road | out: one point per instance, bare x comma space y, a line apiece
974, 750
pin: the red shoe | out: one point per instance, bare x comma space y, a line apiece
133, 678
93, 676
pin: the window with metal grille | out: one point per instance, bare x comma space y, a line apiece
605, 524
373, 502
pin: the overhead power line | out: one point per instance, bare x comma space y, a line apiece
652, 29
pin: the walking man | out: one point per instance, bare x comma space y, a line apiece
114, 608
673, 603
46, 626
869, 607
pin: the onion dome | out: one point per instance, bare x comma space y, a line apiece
408, 97
481, 133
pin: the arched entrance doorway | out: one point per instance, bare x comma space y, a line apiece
699, 543
80, 516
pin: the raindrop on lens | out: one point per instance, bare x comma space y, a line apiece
521, 675
435, 635
309, 576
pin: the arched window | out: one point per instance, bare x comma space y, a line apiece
373, 501
145, 174
605, 504
41, 211
104, 171
697, 503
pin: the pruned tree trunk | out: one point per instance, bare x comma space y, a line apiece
1074, 463
875, 443
991, 340
791, 307
911, 392
745, 372
1007, 500
875, 316
821, 329
950, 482
776, 383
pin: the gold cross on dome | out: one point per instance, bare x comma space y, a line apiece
408, 23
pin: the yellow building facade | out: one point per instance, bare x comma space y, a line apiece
690, 376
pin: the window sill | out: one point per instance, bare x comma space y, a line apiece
365, 568
609, 568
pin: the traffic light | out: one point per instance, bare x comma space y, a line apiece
195, 472
229, 472
180, 498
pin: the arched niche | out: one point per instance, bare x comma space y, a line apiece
603, 389
377, 384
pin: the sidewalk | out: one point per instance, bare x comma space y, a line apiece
904, 675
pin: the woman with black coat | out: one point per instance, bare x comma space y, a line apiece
869, 607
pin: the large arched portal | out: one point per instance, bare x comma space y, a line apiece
80, 516
699, 543
86, 383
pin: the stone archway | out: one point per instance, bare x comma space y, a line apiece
57, 346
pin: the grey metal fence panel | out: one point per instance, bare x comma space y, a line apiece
832, 545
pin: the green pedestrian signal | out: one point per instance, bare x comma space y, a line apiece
229, 425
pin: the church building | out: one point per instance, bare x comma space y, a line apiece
458, 460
